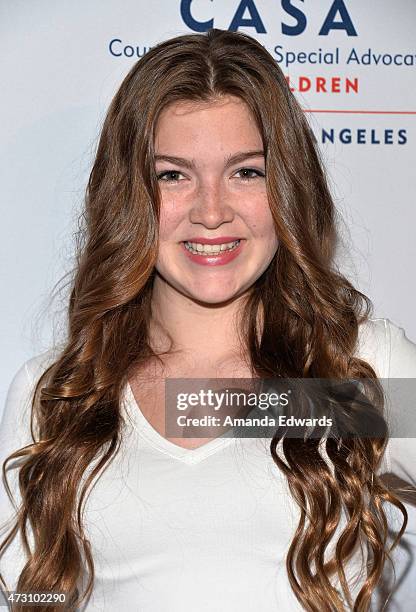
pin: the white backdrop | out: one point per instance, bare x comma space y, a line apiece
63, 61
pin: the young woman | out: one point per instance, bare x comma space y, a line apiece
208, 253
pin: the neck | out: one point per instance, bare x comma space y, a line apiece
201, 330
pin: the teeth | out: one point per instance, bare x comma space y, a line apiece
209, 249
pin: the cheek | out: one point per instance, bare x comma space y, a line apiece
171, 214
261, 221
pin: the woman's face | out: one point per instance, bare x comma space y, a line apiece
211, 172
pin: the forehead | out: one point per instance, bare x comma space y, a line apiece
225, 118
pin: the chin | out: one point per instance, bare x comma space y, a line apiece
214, 297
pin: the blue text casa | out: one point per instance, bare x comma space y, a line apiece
336, 17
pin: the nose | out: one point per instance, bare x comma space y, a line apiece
212, 206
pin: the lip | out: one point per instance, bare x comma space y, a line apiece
217, 259
219, 240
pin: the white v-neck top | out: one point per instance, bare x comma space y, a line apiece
180, 530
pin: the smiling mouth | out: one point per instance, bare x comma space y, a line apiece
210, 249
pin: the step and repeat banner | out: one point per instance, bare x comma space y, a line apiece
351, 64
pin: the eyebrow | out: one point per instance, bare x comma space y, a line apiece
190, 164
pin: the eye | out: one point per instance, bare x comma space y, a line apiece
247, 173
169, 176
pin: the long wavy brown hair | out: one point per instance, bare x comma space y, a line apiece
310, 329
